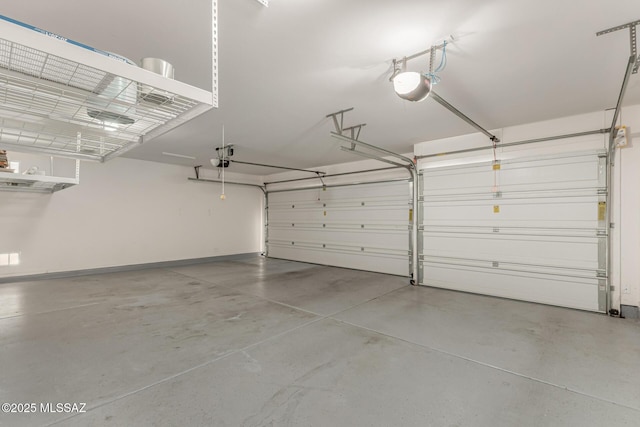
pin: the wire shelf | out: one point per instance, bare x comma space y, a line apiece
34, 183
82, 104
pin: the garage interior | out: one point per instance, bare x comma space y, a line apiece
270, 212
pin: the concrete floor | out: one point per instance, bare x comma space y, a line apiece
269, 342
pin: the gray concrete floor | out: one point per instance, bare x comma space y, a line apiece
270, 342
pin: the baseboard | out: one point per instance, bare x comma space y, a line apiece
630, 311
121, 268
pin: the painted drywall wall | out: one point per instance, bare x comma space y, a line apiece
626, 212
625, 208
126, 212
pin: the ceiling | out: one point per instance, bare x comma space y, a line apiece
282, 69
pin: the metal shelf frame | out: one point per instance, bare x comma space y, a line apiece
38, 183
35, 183
54, 91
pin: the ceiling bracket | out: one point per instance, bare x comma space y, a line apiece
400, 65
355, 132
339, 123
633, 40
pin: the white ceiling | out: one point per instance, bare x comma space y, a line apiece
285, 67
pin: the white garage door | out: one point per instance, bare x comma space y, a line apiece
532, 229
364, 226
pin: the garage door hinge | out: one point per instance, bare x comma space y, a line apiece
495, 264
601, 274
602, 192
602, 233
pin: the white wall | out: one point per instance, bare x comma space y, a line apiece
626, 213
126, 212
625, 268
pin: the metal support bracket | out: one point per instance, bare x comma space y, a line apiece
339, 124
400, 65
633, 40
355, 131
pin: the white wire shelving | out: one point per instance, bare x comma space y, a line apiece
35, 183
62, 98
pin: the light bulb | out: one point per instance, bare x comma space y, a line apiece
223, 197
411, 86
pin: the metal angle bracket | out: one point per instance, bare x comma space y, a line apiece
339, 124
633, 40
265, 3
355, 132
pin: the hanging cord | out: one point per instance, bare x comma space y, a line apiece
432, 75
223, 196
221, 160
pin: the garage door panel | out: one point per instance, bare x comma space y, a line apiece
367, 238
515, 223
366, 192
580, 293
341, 204
581, 253
551, 174
515, 195
514, 231
534, 212
398, 213
390, 263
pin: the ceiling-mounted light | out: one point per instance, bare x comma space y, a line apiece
411, 86
414, 86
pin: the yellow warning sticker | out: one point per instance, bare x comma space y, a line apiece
496, 167
602, 210
410, 214
496, 208
325, 213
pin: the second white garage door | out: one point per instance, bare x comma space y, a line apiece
364, 226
